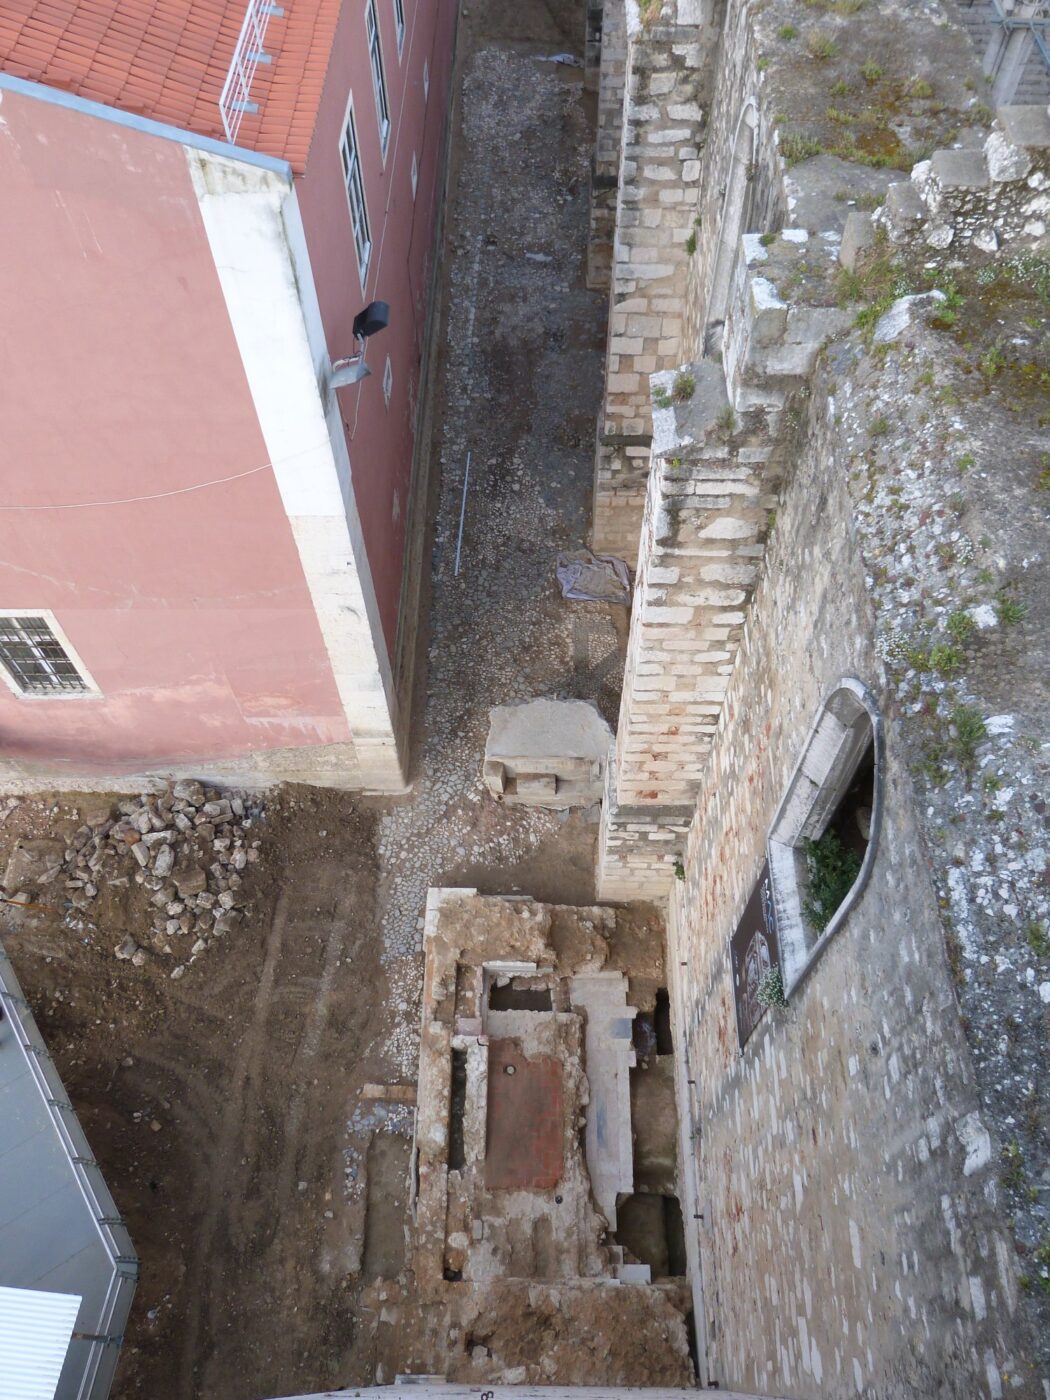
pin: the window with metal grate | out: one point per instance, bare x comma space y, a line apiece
35, 660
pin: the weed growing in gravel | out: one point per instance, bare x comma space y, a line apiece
960, 627
969, 729
1010, 610
795, 148
1012, 1173
821, 46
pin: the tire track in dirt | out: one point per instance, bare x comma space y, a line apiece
231, 1133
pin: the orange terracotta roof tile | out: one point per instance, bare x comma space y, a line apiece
168, 59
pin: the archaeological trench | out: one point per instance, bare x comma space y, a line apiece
767, 1111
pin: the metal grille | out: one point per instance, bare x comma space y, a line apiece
235, 99
35, 658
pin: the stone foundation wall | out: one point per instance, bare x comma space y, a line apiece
850, 1239
326, 765
666, 88
702, 544
608, 142
641, 847
739, 83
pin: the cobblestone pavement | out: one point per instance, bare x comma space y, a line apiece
522, 367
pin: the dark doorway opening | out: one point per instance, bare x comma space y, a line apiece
662, 1023
457, 1156
650, 1229
517, 996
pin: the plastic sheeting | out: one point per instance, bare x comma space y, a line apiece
593, 578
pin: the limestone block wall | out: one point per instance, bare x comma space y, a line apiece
592, 44
641, 847
741, 188
705, 521
712, 492
608, 142
666, 87
849, 1234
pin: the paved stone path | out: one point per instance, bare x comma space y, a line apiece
522, 380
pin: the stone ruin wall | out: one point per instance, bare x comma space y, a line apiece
860, 1250
905, 1136
739, 83
667, 77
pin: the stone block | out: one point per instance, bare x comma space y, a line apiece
904, 204
959, 170
1026, 126
857, 236
1006, 162
547, 753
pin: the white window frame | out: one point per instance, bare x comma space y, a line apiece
354, 184
399, 24
375, 59
388, 381
414, 175
426, 81
847, 722
91, 689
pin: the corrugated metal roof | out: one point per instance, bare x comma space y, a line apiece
35, 1329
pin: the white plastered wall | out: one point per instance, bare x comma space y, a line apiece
251, 217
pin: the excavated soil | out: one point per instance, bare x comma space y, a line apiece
216, 1104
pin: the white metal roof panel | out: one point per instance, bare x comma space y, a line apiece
35, 1329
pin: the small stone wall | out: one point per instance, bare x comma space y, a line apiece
990, 197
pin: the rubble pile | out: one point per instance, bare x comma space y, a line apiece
189, 847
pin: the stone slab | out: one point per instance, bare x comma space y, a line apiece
547, 753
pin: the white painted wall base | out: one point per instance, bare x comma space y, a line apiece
252, 221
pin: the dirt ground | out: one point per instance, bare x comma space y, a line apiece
246, 1064
270, 1198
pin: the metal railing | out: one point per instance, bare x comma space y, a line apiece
235, 100
1017, 28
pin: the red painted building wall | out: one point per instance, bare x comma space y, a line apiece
381, 437
120, 379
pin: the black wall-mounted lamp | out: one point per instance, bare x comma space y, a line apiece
375, 317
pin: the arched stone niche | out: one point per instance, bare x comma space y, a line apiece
837, 784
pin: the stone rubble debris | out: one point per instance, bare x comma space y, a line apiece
165, 841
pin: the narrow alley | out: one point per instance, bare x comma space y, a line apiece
269, 1186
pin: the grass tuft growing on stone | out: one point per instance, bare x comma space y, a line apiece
684, 387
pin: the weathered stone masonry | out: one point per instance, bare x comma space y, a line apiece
667, 65
853, 1230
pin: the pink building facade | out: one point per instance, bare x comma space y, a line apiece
203, 560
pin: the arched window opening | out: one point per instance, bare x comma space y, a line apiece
823, 839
